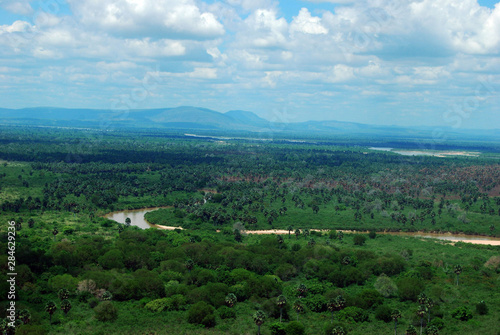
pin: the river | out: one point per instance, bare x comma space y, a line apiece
137, 219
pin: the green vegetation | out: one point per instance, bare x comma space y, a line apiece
80, 273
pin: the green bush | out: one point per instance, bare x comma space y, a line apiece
93, 302
481, 308
437, 322
359, 239
383, 313
352, 314
316, 303
225, 312
461, 313
106, 311
277, 328
409, 288
368, 298
202, 313
295, 328
330, 327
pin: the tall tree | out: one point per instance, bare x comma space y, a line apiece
55, 232
281, 302
50, 308
65, 306
396, 315
421, 311
298, 307
231, 299
290, 229
259, 318
458, 271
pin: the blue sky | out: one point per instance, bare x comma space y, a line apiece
426, 62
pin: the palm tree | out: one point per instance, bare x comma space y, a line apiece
281, 302
63, 294
259, 318
65, 306
128, 222
55, 232
290, 229
395, 315
25, 316
297, 233
339, 303
107, 296
458, 271
50, 308
331, 307
429, 304
422, 298
297, 306
302, 290
422, 310
231, 299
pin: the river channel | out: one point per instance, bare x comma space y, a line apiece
137, 219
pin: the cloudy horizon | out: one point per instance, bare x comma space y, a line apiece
386, 62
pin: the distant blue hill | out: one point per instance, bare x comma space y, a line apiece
196, 118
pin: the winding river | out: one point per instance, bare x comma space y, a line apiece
137, 219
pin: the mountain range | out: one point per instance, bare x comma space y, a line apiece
195, 118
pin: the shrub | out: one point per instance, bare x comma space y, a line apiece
461, 313
409, 288
368, 298
106, 311
385, 286
335, 326
202, 313
353, 314
437, 322
481, 308
93, 302
277, 328
372, 234
225, 312
359, 239
316, 303
383, 313
295, 328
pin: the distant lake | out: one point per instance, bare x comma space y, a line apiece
380, 149
136, 217
433, 153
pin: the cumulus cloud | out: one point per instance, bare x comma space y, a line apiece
305, 23
356, 51
147, 18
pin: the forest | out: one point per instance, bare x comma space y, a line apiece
337, 270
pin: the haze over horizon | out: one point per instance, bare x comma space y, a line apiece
381, 62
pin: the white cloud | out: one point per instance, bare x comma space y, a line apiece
263, 29
305, 23
22, 7
146, 18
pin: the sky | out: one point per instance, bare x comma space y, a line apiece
387, 62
